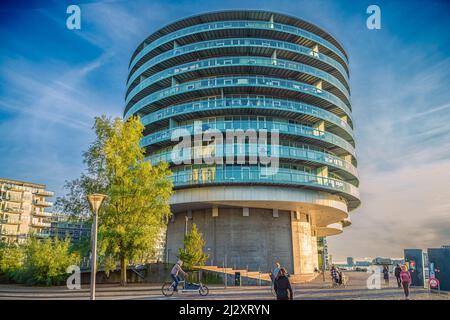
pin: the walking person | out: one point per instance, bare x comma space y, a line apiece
405, 278
282, 286
334, 275
174, 274
397, 272
386, 275
340, 275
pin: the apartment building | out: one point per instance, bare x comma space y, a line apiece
22, 210
62, 227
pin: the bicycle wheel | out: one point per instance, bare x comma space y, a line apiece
203, 290
167, 289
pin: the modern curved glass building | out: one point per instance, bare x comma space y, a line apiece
245, 70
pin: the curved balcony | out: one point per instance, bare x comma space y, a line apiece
237, 62
282, 127
240, 81
259, 103
252, 175
330, 230
284, 152
346, 222
236, 43
236, 24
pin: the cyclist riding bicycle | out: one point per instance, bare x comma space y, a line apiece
174, 273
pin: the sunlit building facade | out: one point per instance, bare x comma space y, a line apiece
22, 210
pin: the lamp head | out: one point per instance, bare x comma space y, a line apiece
95, 201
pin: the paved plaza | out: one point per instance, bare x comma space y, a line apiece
355, 290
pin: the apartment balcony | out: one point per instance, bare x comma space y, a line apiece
13, 210
9, 233
42, 235
40, 224
45, 193
11, 221
42, 214
16, 188
42, 203
13, 199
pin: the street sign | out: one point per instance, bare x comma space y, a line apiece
434, 283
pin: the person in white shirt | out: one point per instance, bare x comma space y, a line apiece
174, 273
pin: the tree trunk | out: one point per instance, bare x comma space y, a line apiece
123, 271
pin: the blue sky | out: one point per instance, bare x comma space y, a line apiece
53, 81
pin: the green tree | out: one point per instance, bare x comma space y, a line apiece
192, 253
137, 207
46, 261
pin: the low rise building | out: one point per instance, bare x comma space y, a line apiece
22, 210
63, 227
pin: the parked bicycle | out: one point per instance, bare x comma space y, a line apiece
168, 288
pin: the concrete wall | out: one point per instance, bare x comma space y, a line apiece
302, 242
255, 242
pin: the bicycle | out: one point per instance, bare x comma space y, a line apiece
167, 288
344, 282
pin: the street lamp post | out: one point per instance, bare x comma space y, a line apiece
95, 201
323, 265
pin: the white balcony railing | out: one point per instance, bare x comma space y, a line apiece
42, 224
42, 214
45, 193
43, 203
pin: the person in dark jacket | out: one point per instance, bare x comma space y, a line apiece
386, 275
282, 286
397, 272
334, 275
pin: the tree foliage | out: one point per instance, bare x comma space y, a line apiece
11, 260
137, 206
37, 262
46, 262
138, 197
192, 253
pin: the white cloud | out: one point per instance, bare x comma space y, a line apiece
51, 111
404, 160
